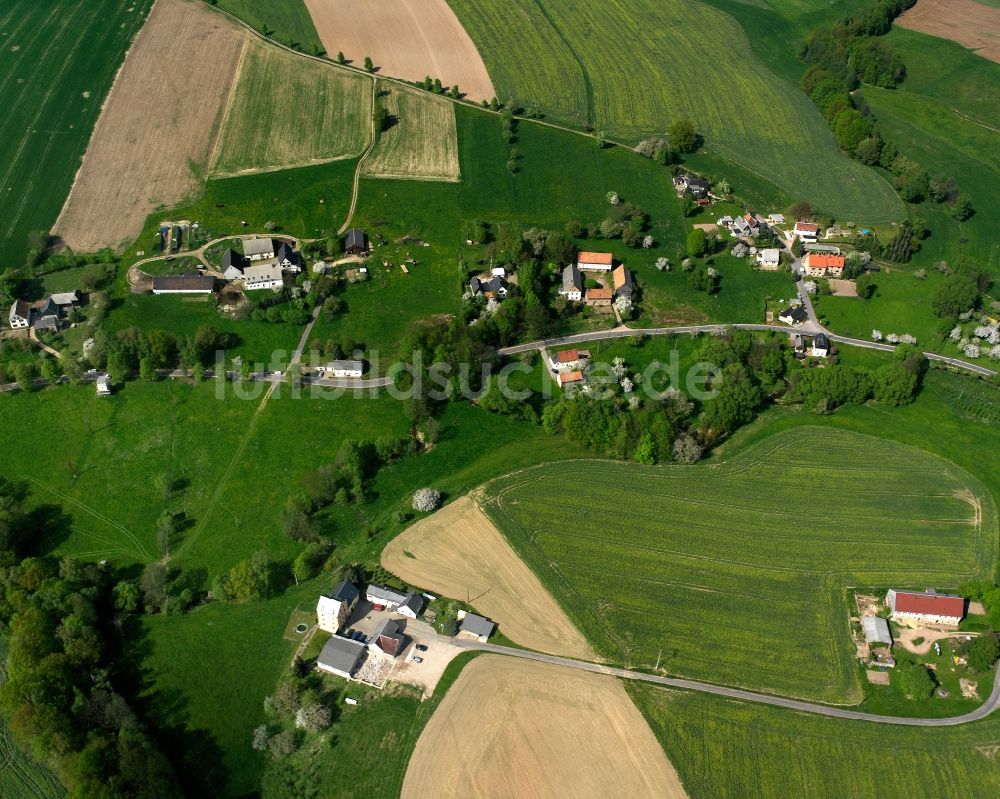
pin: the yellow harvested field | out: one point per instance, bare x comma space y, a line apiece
511, 727
405, 38
458, 552
288, 111
967, 22
423, 141
161, 117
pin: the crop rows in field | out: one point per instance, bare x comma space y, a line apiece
737, 573
725, 749
638, 64
57, 62
422, 142
288, 111
21, 777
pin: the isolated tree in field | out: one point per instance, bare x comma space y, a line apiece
687, 449
166, 527
983, 652
382, 119
648, 242
697, 243
663, 264
340, 57
956, 295
682, 136
962, 209
602, 139
369, 64
864, 285
426, 500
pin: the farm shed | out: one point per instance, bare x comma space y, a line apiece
876, 630
477, 627
384, 596
183, 284
595, 261
354, 243
927, 608
343, 369
340, 656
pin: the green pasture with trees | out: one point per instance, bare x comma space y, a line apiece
59, 60
701, 561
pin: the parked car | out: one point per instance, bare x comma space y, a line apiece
417, 659
421, 647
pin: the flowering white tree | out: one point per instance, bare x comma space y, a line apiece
613, 198
634, 402
491, 306
687, 449
313, 718
624, 306
995, 353
892, 338
906, 338
723, 187
647, 241
740, 250
687, 264
260, 738
956, 333
810, 286
619, 368
971, 350
965, 316
712, 272
426, 499
626, 385
876, 335
663, 264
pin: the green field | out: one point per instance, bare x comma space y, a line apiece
724, 749
286, 21
737, 571
288, 111
21, 776
747, 114
57, 62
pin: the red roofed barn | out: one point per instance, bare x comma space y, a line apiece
927, 608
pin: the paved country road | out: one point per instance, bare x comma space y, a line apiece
736, 693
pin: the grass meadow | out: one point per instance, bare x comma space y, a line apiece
288, 111
724, 749
731, 583
286, 21
57, 63
667, 74
422, 142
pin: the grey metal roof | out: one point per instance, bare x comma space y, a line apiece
384, 594
355, 238
413, 601
571, 278
347, 366
262, 272
231, 258
477, 625
65, 298
796, 312
876, 630
344, 591
258, 247
341, 654
820, 341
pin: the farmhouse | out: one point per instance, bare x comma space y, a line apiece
599, 298
333, 608
572, 283
807, 232
622, 279
183, 284
927, 608
748, 225
476, 627
355, 243
819, 265
388, 637
793, 315
340, 656
725, 221
343, 369
263, 276
383, 597
776, 219
698, 187
769, 259
411, 606
876, 630
572, 378
287, 258
493, 287
103, 386
258, 249
568, 360
820, 346
20, 315
594, 261
232, 265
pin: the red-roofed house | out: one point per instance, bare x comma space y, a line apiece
594, 261
569, 360
599, 297
570, 378
806, 231
926, 608
821, 265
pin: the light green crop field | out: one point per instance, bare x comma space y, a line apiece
637, 66
423, 140
57, 63
286, 21
289, 111
724, 749
736, 572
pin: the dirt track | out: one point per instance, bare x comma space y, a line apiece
458, 552
405, 38
162, 115
532, 730
967, 22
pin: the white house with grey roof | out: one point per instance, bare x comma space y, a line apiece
258, 249
340, 656
388, 598
263, 276
333, 608
411, 606
572, 283
343, 369
476, 627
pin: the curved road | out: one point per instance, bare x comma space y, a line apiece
737, 693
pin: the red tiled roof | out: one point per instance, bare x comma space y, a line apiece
567, 356
930, 604
599, 294
570, 377
818, 261
595, 258
619, 276
807, 227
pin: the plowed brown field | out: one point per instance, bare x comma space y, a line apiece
967, 22
510, 727
161, 118
405, 38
